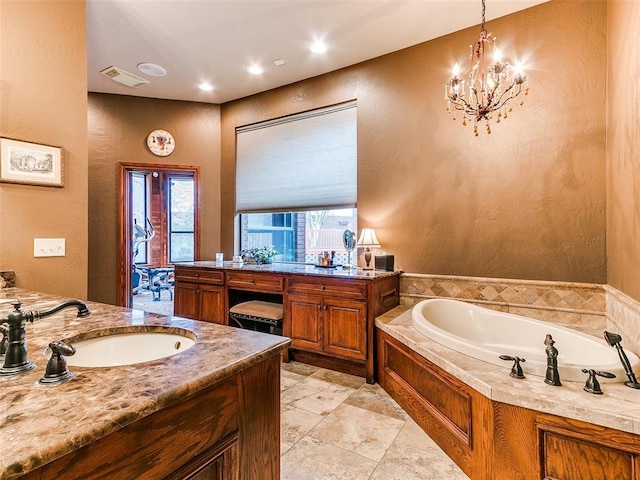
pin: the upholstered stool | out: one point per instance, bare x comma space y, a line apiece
257, 315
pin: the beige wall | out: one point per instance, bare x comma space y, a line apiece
118, 129
623, 147
43, 99
527, 201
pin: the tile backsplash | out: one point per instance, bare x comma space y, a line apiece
586, 306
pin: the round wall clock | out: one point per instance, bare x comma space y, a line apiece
161, 143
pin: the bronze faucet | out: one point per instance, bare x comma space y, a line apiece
552, 376
15, 359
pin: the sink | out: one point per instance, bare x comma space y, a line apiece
127, 346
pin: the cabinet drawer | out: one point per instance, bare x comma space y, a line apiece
200, 275
328, 286
255, 282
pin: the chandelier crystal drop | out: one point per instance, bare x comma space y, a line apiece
491, 83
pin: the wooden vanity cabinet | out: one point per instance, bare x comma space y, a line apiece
328, 318
228, 431
200, 294
332, 326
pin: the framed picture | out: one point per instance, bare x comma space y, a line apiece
30, 163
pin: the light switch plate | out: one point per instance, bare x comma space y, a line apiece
48, 247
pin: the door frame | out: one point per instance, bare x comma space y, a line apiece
125, 233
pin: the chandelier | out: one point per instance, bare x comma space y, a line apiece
489, 86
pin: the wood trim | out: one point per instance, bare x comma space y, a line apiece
124, 212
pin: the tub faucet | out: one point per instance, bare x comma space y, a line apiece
613, 339
552, 377
15, 360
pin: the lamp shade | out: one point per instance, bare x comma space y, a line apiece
368, 238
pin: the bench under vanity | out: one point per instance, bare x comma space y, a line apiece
495, 427
213, 409
327, 312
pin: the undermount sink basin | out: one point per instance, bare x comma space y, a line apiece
127, 346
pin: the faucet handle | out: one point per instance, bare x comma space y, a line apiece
592, 385
516, 369
56, 371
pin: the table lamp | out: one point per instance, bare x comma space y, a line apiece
368, 240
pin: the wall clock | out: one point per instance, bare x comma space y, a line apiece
161, 143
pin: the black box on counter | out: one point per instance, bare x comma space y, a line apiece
384, 262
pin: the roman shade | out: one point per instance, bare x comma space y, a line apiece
306, 161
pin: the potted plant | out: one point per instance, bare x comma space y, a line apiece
260, 254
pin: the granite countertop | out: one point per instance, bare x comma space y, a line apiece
42, 423
618, 407
294, 268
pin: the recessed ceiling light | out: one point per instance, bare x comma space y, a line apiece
278, 62
255, 70
206, 86
152, 69
318, 47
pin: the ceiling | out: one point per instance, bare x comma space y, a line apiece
216, 40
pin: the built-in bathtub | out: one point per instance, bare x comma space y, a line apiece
486, 334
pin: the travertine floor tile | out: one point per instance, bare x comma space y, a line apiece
375, 399
295, 423
301, 368
316, 396
289, 379
402, 462
413, 436
339, 378
313, 460
357, 430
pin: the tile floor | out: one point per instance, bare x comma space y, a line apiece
336, 427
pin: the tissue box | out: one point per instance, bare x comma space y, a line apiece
384, 262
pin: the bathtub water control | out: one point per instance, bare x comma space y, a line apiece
516, 370
486, 334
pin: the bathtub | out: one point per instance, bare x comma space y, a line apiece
486, 334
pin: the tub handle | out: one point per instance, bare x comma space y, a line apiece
592, 385
516, 369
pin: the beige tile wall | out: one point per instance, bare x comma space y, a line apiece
578, 304
590, 307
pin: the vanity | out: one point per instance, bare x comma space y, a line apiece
328, 313
211, 411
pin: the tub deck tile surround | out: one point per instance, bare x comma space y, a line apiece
560, 302
618, 408
623, 317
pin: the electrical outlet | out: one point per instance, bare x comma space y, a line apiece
48, 247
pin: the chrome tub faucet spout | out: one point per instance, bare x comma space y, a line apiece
15, 359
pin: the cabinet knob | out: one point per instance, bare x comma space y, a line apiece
322, 287
253, 281
324, 307
197, 275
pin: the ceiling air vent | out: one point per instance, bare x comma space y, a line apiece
124, 77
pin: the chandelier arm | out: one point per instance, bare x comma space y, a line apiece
500, 103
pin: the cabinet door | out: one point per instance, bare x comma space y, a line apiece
186, 302
345, 328
212, 304
306, 327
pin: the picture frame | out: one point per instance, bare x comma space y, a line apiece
31, 163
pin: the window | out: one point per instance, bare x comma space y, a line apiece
181, 219
299, 236
296, 182
139, 206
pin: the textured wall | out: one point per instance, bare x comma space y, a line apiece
43, 99
623, 147
527, 201
118, 129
